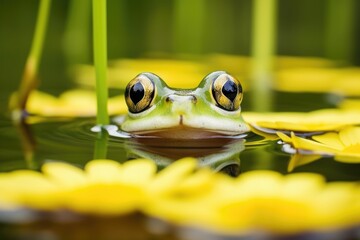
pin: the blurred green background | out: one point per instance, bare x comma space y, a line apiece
140, 28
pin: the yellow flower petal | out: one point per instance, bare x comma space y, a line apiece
195, 184
266, 183
302, 185
173, 174
116, 105
14, 182
284, 137
138, 172
350, 136
302, 143
103, 171
72, 103
177, 73
306, 79
345, 145
35, 103
256, 200
344, 81
348, 158
350, 104
343, 211
64, 174
109, 199
78, 98
187, 73
26, 187
316, 121
330, 139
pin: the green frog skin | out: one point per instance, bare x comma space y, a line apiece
212, 109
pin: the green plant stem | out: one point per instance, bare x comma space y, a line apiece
263, 51
339, 30
77, 32
100, 59
28, 143
101, 142
29, 78
189, 26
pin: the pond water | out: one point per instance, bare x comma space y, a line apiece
73, 141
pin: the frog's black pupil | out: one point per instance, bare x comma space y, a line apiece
230, 90
137, 92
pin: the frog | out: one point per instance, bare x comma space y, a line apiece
212, 109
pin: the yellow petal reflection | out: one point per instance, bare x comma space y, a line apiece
297, 160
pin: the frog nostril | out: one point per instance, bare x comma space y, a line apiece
169, 99
193, 98
181, 98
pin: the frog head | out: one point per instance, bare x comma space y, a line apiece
211, 109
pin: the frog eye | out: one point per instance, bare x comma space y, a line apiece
227, 92
140, 93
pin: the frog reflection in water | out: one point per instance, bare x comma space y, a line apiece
212, 109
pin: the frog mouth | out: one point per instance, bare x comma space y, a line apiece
184, 126
183, 132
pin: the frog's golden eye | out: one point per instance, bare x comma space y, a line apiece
140, 93
227, 92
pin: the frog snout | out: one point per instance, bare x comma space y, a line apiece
181, 104
181, 98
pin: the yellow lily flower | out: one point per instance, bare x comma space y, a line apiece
344, 145
291, 72
72, 103
185, 195
350, 104
104, 187
316, 121
176, 73
263, 200
345, 81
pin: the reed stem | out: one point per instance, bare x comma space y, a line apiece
100, 59
339, 30
189, 26
263, 51
28, 143
76, 43
29, 78
101, 144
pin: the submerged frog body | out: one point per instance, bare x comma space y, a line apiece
211, 109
